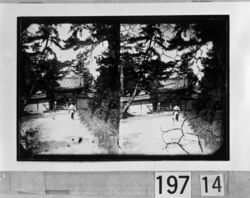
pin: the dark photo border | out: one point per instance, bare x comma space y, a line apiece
221, 155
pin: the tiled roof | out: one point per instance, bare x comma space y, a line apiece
174, 83
71, 82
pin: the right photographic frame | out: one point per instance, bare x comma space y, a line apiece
175, 88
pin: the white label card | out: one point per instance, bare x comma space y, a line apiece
172, 185
212, 185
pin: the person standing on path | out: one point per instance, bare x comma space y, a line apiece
176, 111
72, 110
53, 112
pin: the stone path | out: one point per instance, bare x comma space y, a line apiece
158, 134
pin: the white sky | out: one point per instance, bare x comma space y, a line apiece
64, 55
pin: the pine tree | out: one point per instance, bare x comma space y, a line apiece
190, 39
40, 68
142, 61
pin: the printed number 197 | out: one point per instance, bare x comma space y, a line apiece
172, 184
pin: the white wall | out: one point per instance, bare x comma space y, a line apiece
37, 108
140, 108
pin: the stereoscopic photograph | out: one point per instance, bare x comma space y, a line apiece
123, 88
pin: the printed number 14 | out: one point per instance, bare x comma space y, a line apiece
215, 185
212, 185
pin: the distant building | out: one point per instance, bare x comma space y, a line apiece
169, 92
70, 87
141, 104
174, 91
38, 103
70, 90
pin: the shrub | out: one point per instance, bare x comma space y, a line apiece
101, 113
29, 142
114, 118
211, 133
105, 132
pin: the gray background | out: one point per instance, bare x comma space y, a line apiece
104, 184
115, 1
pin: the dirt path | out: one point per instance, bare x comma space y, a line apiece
153, 134
62, 135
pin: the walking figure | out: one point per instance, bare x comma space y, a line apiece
53, 112
176, 111
72, 110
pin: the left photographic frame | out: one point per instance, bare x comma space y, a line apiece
123, 88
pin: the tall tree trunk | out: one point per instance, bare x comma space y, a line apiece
155, 102
27, 99
117, 47
125, 108
122, 79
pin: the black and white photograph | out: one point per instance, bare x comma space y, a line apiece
123, 88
